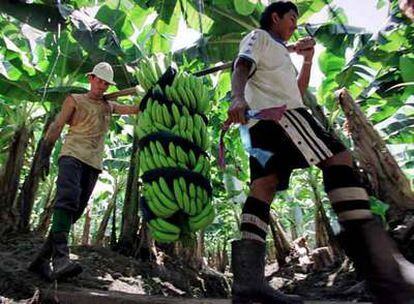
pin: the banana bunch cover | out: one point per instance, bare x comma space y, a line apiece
172, 129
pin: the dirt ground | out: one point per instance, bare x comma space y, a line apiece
106, 270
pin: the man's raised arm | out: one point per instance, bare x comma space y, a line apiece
53, 133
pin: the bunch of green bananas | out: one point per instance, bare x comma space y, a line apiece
155, 156
177, 110
151, 69
191, 199
158, 117
190, 92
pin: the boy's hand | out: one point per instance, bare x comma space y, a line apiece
237, 111
44, 159
305, 47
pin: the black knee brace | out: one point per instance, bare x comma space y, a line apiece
255, 219
348, 198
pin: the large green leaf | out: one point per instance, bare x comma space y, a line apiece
116, 20
407, 67
399, 128
164, 32
329, 63
40, 16
245, 7
309, 7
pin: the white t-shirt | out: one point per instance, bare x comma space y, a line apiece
273, 81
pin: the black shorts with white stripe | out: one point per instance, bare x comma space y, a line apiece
296, 141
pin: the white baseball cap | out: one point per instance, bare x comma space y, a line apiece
103, 70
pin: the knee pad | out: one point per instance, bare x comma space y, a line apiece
349, 199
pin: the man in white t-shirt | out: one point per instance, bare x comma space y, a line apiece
264, 77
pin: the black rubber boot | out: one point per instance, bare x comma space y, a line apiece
388, 274
41, 263
63, 267
249, 283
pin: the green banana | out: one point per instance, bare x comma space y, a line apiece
165, 189
171, 162
190, 124
184, 98
160, 148
192, 158
155, 209
199, 195
199, 206
186, 112
167, 226
205, 218
183, 123
149, 161
164, 210
181, 155
157, 160
192, 99
168, 93
163, 160
171, 149
206, 170
157, 68
176, 96
163, 237
200, 165
166, 116
178, 193
206, 197
192, 191
176, 130
202, 215
143, 162
161, 127
152, 147
196, 137
176, 113
162, 198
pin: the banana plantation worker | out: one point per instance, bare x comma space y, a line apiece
80, 162
265, 77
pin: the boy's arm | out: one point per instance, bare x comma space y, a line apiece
64, 116
237, 110
305, 47
124, 109
53, 133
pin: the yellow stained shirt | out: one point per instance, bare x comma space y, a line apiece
88, 126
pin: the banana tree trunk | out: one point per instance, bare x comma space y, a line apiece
9, 180
311, 102
86, 228
281, 243
324, 235
201, 248
27, 195
45, 217
130, 220
104, 223
386, 179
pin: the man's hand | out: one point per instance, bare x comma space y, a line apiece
237, 111
407, 7
305, 47
44, 159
